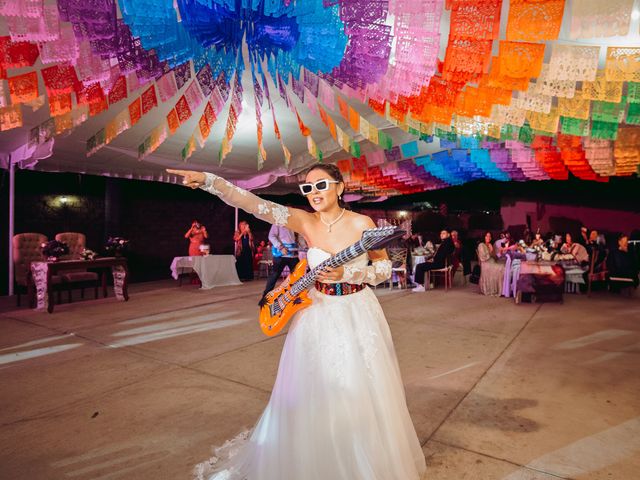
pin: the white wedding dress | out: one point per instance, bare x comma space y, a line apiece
337, 410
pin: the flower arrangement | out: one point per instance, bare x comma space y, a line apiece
54, 249
116, 245
87, 254
536, 252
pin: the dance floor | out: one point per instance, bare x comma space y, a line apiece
143, 390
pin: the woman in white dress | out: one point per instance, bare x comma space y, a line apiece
337, 410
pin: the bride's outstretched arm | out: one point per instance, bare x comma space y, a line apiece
271, 212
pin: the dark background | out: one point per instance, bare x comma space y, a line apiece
155, 216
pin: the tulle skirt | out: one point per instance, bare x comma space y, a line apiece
337, 410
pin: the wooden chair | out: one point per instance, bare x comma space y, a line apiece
398, 257
446, 272
78, 278
592, 275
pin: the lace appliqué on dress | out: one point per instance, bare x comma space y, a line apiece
280, 214
209, 187
372, 274
382, 269
236, 188
336, 354
368, 347
227, 451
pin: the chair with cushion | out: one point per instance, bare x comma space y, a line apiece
27, 248
80, 278
76, 243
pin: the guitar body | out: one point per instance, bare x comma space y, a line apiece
272, 324
279, 305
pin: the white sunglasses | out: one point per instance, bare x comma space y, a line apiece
319, 186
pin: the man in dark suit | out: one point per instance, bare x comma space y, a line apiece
444, 251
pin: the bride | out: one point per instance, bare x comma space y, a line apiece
337, 410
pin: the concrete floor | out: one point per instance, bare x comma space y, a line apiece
143, 390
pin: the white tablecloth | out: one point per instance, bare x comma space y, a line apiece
213, 270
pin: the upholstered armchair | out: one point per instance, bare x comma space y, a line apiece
76, 242
27, 248
78, 278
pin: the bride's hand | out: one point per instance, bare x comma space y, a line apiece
331, 274
190, 178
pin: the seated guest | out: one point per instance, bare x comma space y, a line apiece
578, 251
623, 268
554, 243
537, 241
444, 251
568, 243
491, 271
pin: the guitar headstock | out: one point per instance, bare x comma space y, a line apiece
376, 238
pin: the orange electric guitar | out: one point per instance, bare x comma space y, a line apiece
291, 296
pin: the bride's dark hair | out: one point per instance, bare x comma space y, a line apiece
335, 174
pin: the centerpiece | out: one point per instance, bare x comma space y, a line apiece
54, 249
87, 254
116, 246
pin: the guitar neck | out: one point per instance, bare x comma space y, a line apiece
340, 258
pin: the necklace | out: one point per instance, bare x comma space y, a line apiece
329, 224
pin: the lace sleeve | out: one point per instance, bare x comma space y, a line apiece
373, 274
263, 209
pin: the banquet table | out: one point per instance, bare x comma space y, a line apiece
543, 280
42, 272
213, 270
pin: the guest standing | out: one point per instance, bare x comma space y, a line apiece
244, 251
284, 251
196, 235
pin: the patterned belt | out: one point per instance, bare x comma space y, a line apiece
339, 289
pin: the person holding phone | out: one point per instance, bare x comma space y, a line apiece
196, 235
